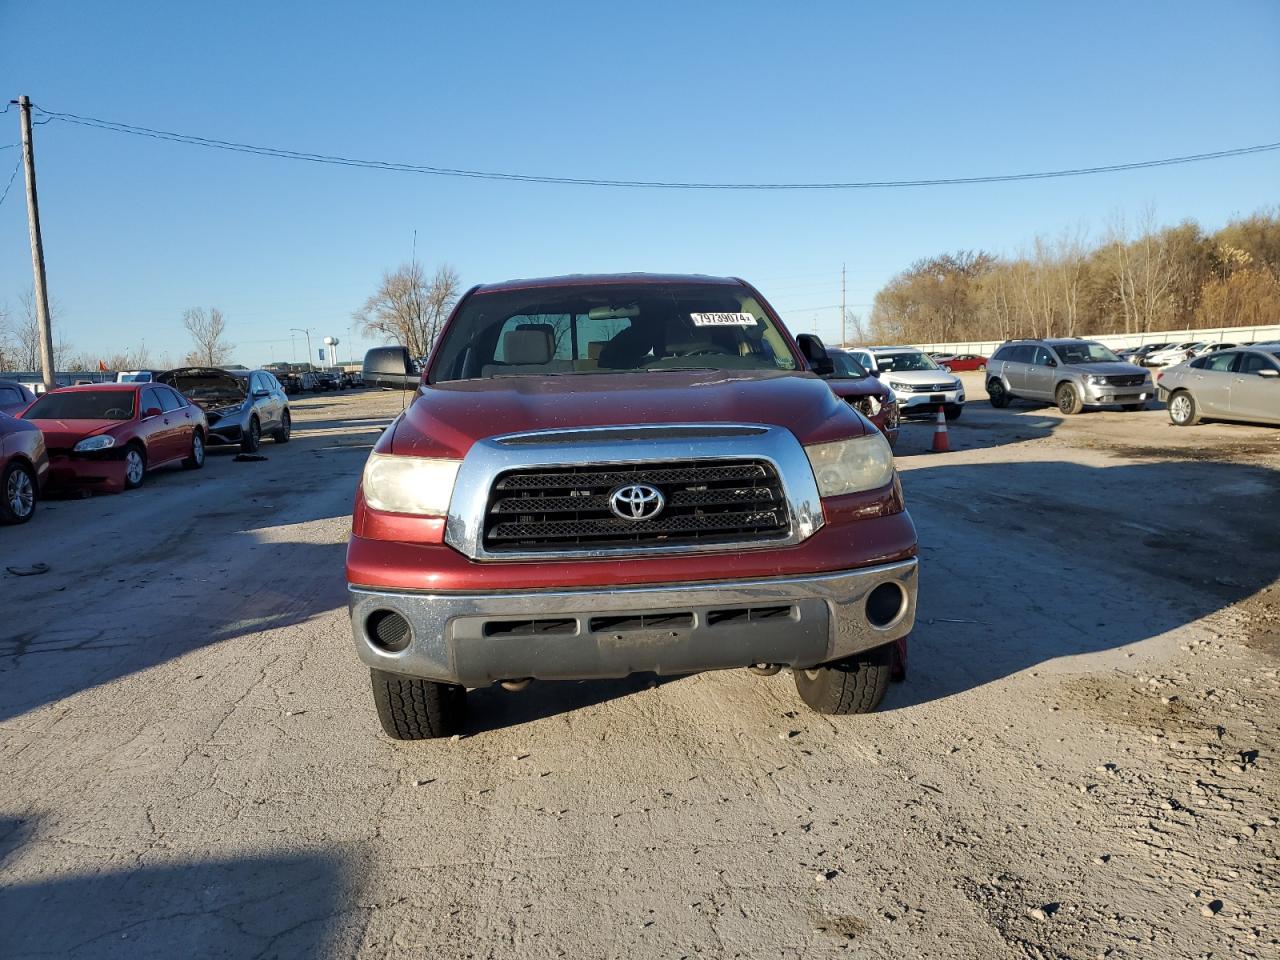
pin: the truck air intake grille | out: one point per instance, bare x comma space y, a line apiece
1124, 381
568, 508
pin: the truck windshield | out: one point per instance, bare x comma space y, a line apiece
610, 328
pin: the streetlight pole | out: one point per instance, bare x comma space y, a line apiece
308, 336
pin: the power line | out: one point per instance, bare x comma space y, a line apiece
191, 140
13, 175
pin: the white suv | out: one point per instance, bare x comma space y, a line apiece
920, 385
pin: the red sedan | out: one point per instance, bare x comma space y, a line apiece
24, 467
108, 436
961, 362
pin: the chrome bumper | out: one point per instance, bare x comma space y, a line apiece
476, 639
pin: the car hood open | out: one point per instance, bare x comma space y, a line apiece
445, 419
208, 387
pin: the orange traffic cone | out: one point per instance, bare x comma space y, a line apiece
941, 444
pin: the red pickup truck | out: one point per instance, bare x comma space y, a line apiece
607, 475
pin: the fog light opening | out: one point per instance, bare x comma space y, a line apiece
388, 631
885, 605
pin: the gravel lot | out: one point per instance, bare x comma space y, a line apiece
1082, 762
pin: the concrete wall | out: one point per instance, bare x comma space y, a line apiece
1224, 334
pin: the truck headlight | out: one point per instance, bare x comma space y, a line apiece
1096, 380
851, 466
89, 444
409, 484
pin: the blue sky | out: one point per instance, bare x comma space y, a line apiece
138, 230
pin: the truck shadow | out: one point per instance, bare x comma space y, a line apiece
283, 905
1023, 563
493, 708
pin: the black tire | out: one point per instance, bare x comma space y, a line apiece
196, 460
952, 413
1133, 407
1068, 399
135, 466
251, 439
18, 493
411, 708
854, 685
285, 430
1183, 411
998, 395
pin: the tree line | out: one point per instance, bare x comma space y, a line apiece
1132, 279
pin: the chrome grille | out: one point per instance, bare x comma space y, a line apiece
563, 508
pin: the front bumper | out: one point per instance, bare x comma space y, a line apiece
475, 639
225, 431
1095, 393
99, 473
920, 404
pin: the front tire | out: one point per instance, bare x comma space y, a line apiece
286, 429
135, 466
1182, 409
196, 460
853, 685
952, 413
18, 494
251, 439
411, 708
998, 395
1068, 398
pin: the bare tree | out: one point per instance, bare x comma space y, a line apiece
207, 330
8, 349
408, 309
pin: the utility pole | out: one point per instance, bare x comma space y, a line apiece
844, 338
310, 361
37, 245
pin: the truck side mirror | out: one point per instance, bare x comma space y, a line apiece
390, 367
815, 354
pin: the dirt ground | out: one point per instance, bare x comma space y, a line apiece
1081, 763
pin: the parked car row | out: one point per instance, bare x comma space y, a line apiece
1234, 383
107, 437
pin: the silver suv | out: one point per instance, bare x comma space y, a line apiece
1072, 373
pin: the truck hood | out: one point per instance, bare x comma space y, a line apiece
447, 418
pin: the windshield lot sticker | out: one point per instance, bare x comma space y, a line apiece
722, 319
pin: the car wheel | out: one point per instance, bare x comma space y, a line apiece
196, 460
411, 708
854, 685
135, 466
252, 437
998, 395
1182, 409
17, 494
982, 368
952, 413
286, 429
1068, 398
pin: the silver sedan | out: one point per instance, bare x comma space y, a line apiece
1241, 384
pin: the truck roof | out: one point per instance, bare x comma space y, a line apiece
595, 279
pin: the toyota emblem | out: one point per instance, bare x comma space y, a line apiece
637, 501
